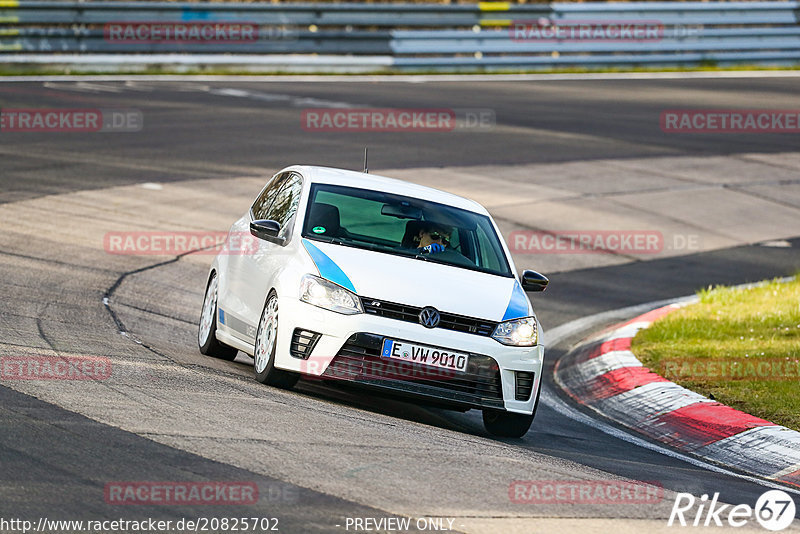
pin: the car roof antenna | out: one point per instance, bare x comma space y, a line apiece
366, 169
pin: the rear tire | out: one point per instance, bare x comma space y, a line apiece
207, 330
267, 345
505, 424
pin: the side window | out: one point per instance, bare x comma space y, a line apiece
264, 201
284, 207
488, 252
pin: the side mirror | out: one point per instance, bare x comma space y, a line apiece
267, 230
533, 281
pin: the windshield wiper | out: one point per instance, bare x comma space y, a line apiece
325, 239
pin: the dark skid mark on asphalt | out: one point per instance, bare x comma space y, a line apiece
45, 462
67, 481
239, 131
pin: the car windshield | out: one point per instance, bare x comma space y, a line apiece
391, 224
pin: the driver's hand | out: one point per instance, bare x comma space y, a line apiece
433, 248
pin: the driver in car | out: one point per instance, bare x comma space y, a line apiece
433, 238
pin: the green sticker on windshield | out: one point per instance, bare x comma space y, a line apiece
318, 229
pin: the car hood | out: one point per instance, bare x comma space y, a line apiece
420, 283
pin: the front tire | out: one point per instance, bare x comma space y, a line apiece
505, 424
266, 346
207, 331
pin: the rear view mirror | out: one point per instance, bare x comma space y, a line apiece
267, 230
401, 211
533, 281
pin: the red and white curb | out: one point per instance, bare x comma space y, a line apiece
605, 376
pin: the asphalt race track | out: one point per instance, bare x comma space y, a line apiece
593, 151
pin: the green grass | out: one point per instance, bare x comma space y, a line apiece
740, 347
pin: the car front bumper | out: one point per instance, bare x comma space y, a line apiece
348, 348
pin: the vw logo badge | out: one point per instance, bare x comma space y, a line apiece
429, 317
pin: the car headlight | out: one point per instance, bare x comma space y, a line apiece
519, 332
319, 292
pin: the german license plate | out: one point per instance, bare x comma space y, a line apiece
424, 355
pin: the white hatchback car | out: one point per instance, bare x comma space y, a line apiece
380, 282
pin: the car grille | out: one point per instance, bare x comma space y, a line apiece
303, 342
410, 314
523, 385
359, 361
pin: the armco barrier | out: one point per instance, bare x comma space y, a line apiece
407, 36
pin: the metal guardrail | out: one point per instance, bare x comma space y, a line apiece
386, 15
418, 36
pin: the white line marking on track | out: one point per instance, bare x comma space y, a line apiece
294, 101
784, 472
404, 78
85, 87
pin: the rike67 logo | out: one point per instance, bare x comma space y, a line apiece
774, 510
